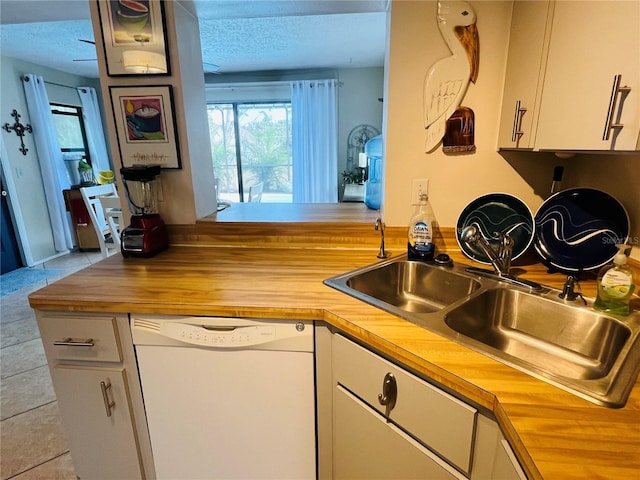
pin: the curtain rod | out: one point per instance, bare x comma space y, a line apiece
84, 90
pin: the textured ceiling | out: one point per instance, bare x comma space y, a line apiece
238, 36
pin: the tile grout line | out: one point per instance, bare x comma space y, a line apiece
24, 341
24, 371
30, 410
38, 465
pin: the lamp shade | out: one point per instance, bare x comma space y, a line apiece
143, 61
362, 160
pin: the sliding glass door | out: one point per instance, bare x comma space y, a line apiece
251, 145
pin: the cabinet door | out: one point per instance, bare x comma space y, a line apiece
591, 42
366, 447
101, 438
443, 423
528, 45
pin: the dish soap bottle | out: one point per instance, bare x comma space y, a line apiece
615, 285
420, 237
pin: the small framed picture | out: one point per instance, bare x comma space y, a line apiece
134, 37
145, 125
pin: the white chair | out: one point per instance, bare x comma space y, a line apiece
113, 214
92, 200
255, 192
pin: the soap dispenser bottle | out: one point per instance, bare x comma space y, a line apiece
420, 236
615, 285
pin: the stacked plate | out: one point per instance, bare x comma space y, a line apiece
574, 230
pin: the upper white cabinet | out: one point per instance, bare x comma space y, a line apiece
528, 44
588, 81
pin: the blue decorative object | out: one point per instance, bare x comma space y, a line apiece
578, 229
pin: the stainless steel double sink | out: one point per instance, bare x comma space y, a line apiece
565, 343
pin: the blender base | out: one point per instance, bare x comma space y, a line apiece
145, 237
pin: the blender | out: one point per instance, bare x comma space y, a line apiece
147, 234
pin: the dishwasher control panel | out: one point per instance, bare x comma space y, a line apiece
222, 332
220, 336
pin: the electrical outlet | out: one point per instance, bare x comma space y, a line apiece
418, 186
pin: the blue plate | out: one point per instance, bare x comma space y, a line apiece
493, 214
578, 229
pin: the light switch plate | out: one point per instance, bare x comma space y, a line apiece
418, 186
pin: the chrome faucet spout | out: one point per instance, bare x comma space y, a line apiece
501, 261
380, 226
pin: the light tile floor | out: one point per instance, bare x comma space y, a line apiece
32, 443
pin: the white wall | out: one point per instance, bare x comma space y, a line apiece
415, 44
24, 171
358, 104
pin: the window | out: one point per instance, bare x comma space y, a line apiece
70, 130
72, 137
251, 144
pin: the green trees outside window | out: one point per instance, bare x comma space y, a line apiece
251, 144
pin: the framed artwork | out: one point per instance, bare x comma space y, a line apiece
145, 125
134, 37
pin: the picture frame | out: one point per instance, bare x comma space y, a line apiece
134, 37
145, 125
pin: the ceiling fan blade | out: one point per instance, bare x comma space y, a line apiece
211, 68
87, 41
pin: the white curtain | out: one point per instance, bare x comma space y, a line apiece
314, 138
93, 128
52, 167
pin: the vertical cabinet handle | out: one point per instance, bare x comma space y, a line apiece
517, 122
108, 404
389, 394
616, 91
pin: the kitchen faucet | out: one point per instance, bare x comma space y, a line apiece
501, 260
380, 226
568, 290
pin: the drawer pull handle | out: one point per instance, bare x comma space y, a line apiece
69, 342
389, 394
617, 91
108, 404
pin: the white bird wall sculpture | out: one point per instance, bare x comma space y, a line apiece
447, 80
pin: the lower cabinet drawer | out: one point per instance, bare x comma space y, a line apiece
87, 338
367, 447
440, 421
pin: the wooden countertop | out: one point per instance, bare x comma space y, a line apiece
555, 434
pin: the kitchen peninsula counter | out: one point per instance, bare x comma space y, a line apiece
555, 434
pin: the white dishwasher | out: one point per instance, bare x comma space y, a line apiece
228, 398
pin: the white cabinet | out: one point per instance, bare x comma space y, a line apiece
588, 83
592, 42
410, 430
366, 446
97, 389
524, 76
94, 405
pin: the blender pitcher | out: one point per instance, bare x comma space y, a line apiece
147, 234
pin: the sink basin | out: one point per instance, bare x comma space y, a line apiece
411, 286
565, 343
556, 338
